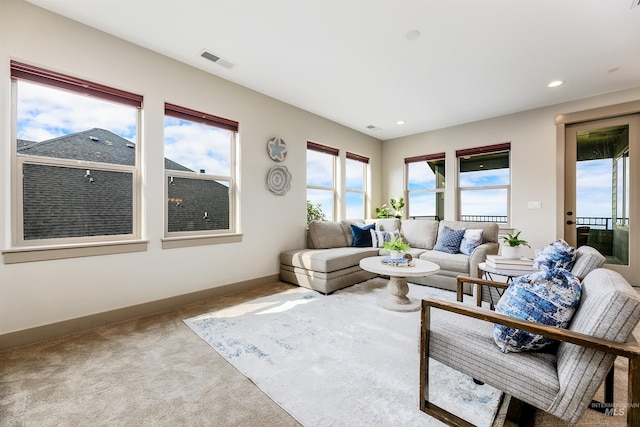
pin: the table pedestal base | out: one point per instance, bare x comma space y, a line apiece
396, 299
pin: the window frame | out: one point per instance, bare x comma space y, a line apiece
478, 151
435, 191
203, 237
622, 177
314, 146
365, 164
65, 247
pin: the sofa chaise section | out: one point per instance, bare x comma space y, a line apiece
330, 262
325, 270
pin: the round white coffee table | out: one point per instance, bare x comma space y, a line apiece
397, 289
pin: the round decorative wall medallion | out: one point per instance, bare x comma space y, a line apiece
277, 149
279, 180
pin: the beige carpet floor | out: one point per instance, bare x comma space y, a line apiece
154, 371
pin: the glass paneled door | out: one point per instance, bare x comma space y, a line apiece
601, 187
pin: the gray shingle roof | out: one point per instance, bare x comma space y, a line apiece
95, 145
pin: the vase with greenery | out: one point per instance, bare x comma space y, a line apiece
512, 245
397, 204
395, 210
314, 212
397, 247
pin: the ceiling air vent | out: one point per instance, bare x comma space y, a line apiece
215, 58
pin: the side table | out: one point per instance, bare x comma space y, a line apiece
494, 294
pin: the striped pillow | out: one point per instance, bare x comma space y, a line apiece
379, 237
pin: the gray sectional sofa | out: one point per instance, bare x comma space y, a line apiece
330, 262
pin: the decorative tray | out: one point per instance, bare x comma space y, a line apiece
397, 262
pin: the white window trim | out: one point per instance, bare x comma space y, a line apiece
51, 249
488, 187
332, 189
182, 239
21, 160
363, 191
407, 192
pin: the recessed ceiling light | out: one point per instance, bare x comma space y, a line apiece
614, 69
400, 122
555, 83
412, 35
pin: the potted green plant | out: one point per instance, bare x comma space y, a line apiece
397, 247
382, 212
397, 204
395, 210
512, 245
314, 212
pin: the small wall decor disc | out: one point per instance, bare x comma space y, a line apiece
279, 180
277, 149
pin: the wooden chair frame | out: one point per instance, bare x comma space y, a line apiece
628, 350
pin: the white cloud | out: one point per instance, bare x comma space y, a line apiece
484, 178
45, 113
420, 176
593, 188
198, 146
484, 202
354, 174
319, 168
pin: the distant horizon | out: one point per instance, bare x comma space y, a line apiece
593, 191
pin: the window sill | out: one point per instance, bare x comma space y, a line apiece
46, 253
189, 241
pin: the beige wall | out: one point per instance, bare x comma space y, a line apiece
535, 172
39, 293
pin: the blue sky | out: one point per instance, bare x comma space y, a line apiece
593, 188
198, 146
45, 113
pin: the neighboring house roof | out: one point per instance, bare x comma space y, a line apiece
197, 204
64, 201
93, 145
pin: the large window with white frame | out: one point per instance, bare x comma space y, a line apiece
484, 180
321, 177
356, 185
199, 173
424, 188
76, 176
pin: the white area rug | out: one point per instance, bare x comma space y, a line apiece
340, 360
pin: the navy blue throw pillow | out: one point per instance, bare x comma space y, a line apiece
362, 235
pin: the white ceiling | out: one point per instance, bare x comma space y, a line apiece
351, 62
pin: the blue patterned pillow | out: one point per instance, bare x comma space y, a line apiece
555, 255
472, 239
548, 297
449, 240
362, 235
